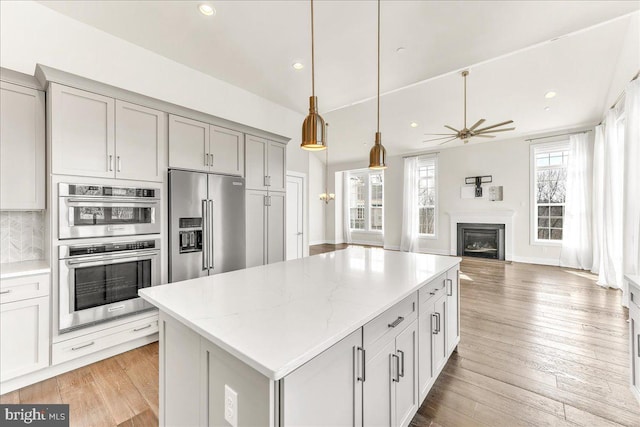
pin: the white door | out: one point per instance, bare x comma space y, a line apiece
295, 233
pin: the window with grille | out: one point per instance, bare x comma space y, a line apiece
366, 200
427, 195
549, 190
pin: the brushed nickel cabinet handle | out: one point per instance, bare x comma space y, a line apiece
206, 159
83, 346
450, 288
119, 164
363, 359
142, 328
397, 359
434, 322
638, 347
396, 322
401, 374
110, 162
5, 292
438, 319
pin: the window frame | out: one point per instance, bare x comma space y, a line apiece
558, 145
436, 203
367, 208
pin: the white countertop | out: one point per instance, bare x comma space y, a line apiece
279, 316
24, 268
635, 279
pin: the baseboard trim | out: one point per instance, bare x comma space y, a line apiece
319, 242
541, 261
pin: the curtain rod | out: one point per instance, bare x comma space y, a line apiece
560, 134
424, 153
622, 93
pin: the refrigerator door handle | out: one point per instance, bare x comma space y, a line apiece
210, 236
205, 230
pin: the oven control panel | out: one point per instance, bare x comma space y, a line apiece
100, 248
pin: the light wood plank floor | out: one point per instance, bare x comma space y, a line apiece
540, 346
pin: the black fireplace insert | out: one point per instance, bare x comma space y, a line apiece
481, 240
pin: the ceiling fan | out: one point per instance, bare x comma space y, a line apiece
465, 134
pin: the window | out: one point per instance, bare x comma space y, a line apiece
366, 200
549, 190
427, 185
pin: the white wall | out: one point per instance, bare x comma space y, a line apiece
508, 163
317, 207
628, 62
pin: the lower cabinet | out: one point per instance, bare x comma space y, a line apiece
432, 338
452, 313
634, 335
24, 337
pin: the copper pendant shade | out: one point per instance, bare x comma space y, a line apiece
378, 154
313, 138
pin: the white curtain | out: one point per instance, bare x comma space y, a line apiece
346, 224
597, 218
409, 240
632, 178
610, 212
576, 237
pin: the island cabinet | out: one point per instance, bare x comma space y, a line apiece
99, 136
199, 146
634, 332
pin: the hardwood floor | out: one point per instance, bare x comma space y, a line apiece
540, 346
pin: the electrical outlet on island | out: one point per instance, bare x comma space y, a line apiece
230, 406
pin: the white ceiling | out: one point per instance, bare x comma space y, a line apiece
252, 44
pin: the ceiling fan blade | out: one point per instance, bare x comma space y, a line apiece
443, 134
484, 136
495, 126
436, 139
448, 140
494, 130
449, 127
478, 123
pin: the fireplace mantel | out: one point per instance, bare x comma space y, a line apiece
483, 217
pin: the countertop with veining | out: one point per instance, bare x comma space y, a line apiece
279, 316
24, 268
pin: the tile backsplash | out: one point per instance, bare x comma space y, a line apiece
21, 235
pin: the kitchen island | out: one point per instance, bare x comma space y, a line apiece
353, 337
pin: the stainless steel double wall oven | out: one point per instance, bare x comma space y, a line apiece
99, 278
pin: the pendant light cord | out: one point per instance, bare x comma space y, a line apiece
465, 100
313, 77
378, 65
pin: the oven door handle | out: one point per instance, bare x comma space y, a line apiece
89, 261
109, 203
112, 199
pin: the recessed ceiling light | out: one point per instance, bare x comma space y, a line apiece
400, 50
297, 65
547, 108
414, 125
206, 9
550, 94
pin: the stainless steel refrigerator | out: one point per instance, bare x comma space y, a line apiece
206, 224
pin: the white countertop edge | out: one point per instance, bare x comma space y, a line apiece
633, 278
311, 353
24, 268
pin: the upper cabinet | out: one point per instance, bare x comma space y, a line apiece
22, 147
265, 164
141, 135
94, 135
203, 147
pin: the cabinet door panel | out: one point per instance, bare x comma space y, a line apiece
256, 227
439, 342
276, 228
24, 337
376, 391
425, 368
140, 142
407, 386
453, 289
22, 147
325, 391
82, 133
276, 166
188, 144
227, 150
255, 160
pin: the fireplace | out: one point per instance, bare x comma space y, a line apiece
481, 240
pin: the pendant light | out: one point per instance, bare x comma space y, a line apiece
378, 154
313, 126
326, 197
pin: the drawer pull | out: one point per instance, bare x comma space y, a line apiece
5, 292
401, 373
397, 378
438, 324
83, 346
434, 323
364, 369
396, 322
142, 328
450, 288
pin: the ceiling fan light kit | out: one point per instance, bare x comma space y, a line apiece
313, 138
474, 131
378, 154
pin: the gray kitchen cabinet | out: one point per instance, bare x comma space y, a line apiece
327, 390
226, 151
22, 147
453, 312
203, 147
376, 389
82, 132
406, 402
265, 227
140, 142
256, 227
188, 144
438, 335
265, 164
